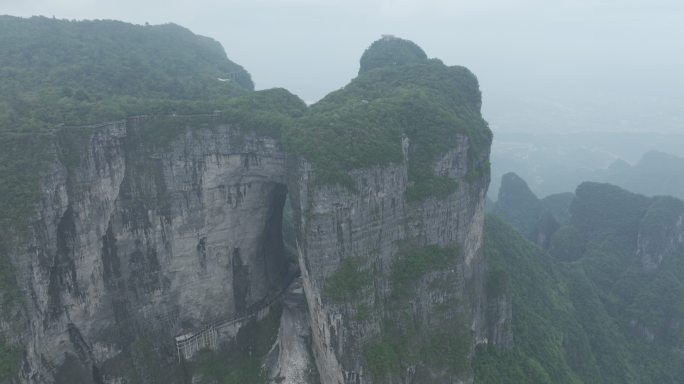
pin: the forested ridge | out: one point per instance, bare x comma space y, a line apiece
585, 310
594, 308
78, 72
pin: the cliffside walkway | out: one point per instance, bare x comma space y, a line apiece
234, 76
209, 336
133, 120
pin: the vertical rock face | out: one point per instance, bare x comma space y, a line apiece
156, 237
390, 199
661, 232
139, 243
499, 317
135, 246
372, 226
289, 360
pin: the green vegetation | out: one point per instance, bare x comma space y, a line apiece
268, 112
591, 313
498, 366
239, 362
566, 244
540, 220
290, 233
362, 312
559, 205
93, 71
478, 170
58, 75
517, 204
498, 283
449, 349
406, 340
606, 213
22, 158
364, 123
86, 72
73, 142
143, 360
381, 360
549, 336
390, 51
10, 294
413, 262
348, 281
58, 71
9, 361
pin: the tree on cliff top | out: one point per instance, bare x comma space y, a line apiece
390, 51
60, 71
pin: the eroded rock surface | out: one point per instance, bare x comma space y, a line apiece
137, 245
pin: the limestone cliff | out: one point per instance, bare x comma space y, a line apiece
156, 240
373, 227
139, 244
390, 242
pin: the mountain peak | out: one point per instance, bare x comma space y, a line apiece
389, 51
515, 190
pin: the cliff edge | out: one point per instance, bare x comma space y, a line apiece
151, 249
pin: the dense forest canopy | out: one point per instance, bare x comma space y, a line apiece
603, 304
390, 51
74, 72
362, 124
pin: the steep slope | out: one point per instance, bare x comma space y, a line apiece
518, 204
150, 249
76, 72
144, 238
561, 332
537, 219
612, 314
390, 195
390, 51
118, 237
559, 205
633, 253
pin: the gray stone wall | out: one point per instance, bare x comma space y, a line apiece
137, 246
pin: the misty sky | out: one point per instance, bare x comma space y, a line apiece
542, 64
